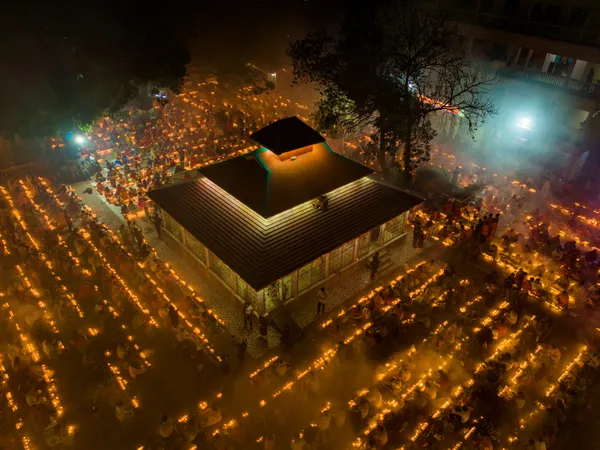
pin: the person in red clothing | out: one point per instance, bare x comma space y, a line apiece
68, 220
526, 287
520, 277
85, 290
494, 225
448, 206
502, 330
563, 300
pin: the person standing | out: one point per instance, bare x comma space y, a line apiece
526, 287
241, 352
166, 427
224, 364
173, 317
143, 204
248, 308
321, 296
374, 265
263, 326
494, 225
158, 224
181, 154
420, 238
478, 230
68, 220
589, 80
416, 234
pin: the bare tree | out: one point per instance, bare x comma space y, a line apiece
393, 67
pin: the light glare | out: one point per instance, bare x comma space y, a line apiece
525, 122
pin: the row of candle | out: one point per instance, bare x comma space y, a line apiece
508, 390
341, 316
44, 259
393, 407
459, 390
192, 328
329, 354
569, 369
73, 302
12, 404
25, 279
29, 347
121, 382
391, 368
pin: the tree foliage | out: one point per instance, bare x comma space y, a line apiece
393, 66
66, 63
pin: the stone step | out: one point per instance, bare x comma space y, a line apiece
386, 264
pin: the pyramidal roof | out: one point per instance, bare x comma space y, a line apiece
286, 135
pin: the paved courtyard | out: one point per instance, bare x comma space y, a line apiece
341, 288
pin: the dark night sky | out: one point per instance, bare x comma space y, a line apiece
45, 44
259, 30
225, 31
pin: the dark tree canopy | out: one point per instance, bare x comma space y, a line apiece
392, 67
66, 63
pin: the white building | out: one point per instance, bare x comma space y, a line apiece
547, 56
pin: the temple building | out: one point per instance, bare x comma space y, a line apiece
275, 223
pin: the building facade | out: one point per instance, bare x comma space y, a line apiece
547, 58
276, 223
300, 280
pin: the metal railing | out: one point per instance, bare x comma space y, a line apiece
574, 86
17, 171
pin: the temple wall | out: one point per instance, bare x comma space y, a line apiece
301, 280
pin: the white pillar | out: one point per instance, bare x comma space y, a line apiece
529, 55
516, 56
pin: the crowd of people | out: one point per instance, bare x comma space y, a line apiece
488, 345
131, 155
459, 332
68, 309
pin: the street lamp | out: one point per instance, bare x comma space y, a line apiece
524, 122
79, 139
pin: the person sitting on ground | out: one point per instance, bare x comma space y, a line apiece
563, 282
378, 300
374, 398
380, 436
366, 313
298, 443
338, 416
122, 412
355, 313
563, 300
520, 400
166, 426
211, 416
363, 408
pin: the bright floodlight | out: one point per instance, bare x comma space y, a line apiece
525, 122
79, 139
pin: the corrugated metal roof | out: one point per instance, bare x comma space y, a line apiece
263, 250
